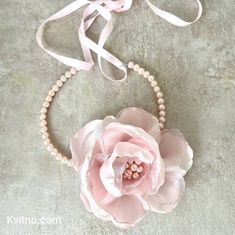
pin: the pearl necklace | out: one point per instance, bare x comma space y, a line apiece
71, 72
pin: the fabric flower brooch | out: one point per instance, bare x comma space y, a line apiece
128, 166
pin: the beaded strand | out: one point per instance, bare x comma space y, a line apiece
68, 74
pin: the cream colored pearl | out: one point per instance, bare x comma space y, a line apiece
136, 67
161, 107
130, 162
44, 129
55, 88
69, 163
59, 156
48, 98
133, 167
59, 83
43, 116
162, 113
128, 172
130, 65
73, 71
51, 93
63, 78
161, 126
160, 101
141, 71
140, 169
43, 123
64, 160
159, 94
50, 147
151, 78
54, 151
156, 89
162, 119
67, 74
135, 175
46, 104
146, 74
138, 162
44, 110
47, 141
153, 83
45, 135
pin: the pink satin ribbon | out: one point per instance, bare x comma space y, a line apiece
93, 10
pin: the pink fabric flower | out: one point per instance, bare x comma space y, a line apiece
128, 166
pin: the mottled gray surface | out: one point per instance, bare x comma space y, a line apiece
194, 66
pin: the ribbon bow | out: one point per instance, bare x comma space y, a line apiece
95, 9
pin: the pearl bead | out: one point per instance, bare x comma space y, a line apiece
48, 98
156, 89
43, 116
43, 123
125, 177
151, 78
54, 151
161, 126
135, 175
67, 74
160, 101
127, 165
162, 113
161, 107
45, 135
46, 104
59, 156
146, 74
69, 163
140, 169
138, 162
55, 88
153, 83
51, 93
141, 71
133, 167
59, 83
44, 129
136, 67
128, 172
63, 78
50, 147
73, 71
130, 65
130, 162
44, 110
47, 141
162, 119
64, 160
159, 94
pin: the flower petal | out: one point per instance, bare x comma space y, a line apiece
133, 131
142, 119
81, 145
176, 153
167, 197
126, 211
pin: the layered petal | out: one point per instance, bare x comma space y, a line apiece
82, 144
142, 119
167, 197
176, 153
126, 211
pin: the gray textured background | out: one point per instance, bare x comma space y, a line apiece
195, 68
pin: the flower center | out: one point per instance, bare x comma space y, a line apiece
133, 170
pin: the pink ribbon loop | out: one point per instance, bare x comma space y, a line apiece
95, 9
